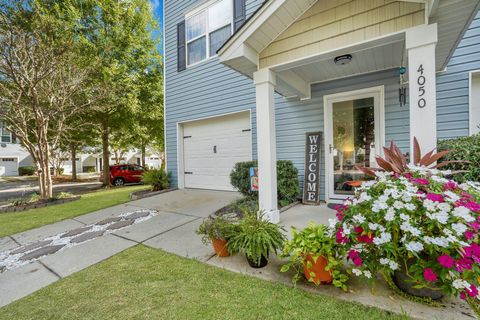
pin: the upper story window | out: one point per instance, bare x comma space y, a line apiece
207, 30
5, 135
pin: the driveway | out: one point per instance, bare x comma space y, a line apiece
171, 228
17, 189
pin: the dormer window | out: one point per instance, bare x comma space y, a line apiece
207, 29
5, 135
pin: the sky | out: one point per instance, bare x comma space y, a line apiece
158, 11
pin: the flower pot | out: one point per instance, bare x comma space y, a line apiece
318, 268
253, 264
405, 283
220, 247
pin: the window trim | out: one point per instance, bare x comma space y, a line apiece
204, 7
471, 126
2, 127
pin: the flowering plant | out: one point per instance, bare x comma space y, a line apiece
417, 222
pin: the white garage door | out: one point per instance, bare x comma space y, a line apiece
8, 167
212, 147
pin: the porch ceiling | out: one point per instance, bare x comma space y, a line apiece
242, 51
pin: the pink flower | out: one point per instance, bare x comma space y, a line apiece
473, 206
472, 291
352, 254
450, 185
408, 175
358, 229
368, 238
469, 235
435, 197
462, 295
475, 226
340, 237
355, 257
429, 275
357, 261
420, 181
473, 252
463, 264
446, 261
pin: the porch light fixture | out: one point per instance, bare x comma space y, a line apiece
344, 59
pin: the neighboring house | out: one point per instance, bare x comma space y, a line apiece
247, 79
12, 154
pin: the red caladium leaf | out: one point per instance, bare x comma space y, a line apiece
416, 151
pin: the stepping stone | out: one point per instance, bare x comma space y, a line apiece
138, 215
108, 220
31, 246
120, 224
75, 232
41, 252
87, 236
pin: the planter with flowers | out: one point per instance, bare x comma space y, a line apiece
313, 253
415, 226
217, 230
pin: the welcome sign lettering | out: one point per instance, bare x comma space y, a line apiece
311, 188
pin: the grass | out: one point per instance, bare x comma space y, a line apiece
145, 283
11, 223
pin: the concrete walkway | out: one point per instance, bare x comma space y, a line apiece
180, 213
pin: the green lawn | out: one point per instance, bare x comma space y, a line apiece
11, 223
144, 283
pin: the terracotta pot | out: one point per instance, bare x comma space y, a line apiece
318, 268
220, 247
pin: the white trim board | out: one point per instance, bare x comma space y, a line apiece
376, 92
473, 122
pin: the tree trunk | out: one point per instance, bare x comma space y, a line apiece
106, 156
143, 155
74, 162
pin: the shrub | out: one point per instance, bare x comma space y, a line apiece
26, 171
158, 179
220, 228
464, 148
288, 186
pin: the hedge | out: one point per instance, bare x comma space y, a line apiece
466, 149
26, 171
288, 186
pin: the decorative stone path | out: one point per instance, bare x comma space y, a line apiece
31, 252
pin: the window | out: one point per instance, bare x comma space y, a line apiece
8, 159
474, 102
207, 30
5, 135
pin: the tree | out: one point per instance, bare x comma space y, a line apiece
41, 86
121, 47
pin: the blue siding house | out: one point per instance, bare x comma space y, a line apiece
248, 79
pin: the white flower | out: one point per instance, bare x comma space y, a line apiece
460, 284
407, 227
439, 179
385, 237
440, 241
393, 265
414, 246
332, 223
346, 229
451, 196
367, 274
464, 213
364, 197
379, 205
406, 197
398, 204
373, 226
429, 205
390, 216
357, 272
410, 206
441, 216
359, 218
459, 228
404, 217
384, 261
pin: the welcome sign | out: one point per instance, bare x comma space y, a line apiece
311, 187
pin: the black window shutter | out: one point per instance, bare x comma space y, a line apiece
239, 14
181, 50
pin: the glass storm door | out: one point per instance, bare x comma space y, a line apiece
353, 139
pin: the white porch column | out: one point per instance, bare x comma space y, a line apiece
264, 80
420, 43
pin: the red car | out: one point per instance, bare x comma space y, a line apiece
125, 173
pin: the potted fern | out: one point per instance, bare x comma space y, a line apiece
256, 238
217, 230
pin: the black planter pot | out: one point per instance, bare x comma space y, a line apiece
404, 283
253, 264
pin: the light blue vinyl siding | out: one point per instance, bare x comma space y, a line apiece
210, 89
453, 85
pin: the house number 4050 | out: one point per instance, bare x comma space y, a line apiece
422, 103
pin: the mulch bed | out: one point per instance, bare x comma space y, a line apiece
148, 193
38, 204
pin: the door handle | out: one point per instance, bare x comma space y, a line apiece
214, 149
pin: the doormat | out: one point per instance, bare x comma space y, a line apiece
333, 206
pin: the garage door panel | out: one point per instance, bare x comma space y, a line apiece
229, 136
8, 167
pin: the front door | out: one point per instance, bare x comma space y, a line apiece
353, 137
